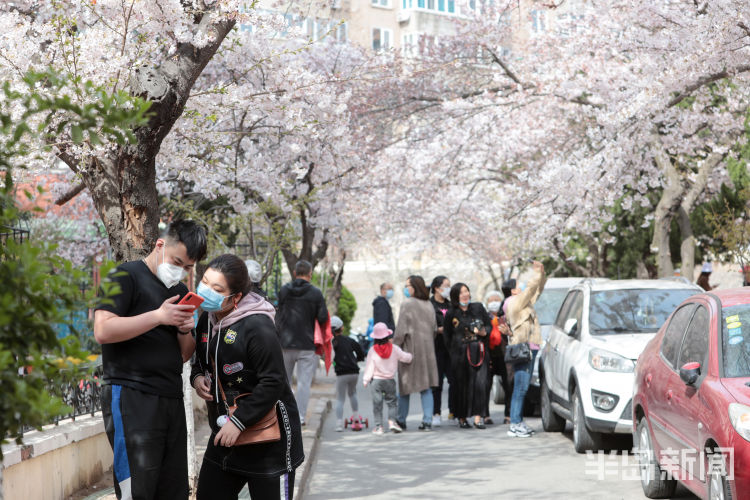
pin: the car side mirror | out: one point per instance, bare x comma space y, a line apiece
690, 372
571, 325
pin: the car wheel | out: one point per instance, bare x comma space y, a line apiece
718, 485
654, 481
498, 393
583, 438
551, 421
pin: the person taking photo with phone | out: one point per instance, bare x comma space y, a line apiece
145, 338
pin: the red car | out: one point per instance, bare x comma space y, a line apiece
691, 401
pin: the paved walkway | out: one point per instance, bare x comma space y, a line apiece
321, 394
452, 463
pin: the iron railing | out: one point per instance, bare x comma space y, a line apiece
18, 234
83, 396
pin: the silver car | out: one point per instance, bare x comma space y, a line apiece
546, 307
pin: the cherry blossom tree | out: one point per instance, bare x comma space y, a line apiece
551, 131
155, 50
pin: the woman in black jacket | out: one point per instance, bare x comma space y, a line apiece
466, 329
236, 342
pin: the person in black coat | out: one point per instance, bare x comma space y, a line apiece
467, 326
440, 300
238, 346
381, 308
301, 304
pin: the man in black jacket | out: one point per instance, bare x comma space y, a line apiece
300, 305
381, 308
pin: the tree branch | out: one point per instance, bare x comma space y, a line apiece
72, 193
706, 80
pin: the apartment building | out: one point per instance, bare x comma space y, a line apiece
400, 24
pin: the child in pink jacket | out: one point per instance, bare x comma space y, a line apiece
380, 369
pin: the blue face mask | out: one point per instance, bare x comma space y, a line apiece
389, 294
212, 300
464, 304
406, 292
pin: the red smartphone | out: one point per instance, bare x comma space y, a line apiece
191, 299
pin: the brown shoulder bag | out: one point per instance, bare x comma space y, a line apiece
267, 430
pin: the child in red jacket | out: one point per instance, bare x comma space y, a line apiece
380, 369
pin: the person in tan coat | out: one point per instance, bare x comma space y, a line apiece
524, 326
415, 333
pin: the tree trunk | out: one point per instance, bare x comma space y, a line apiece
123, 184
124, 193
687, 247
665, 211
333, 295
307, 251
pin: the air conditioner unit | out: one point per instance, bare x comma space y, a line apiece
403, 16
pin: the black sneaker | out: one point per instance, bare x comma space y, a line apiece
424, 426
401, 424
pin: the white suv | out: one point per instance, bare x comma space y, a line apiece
586, 368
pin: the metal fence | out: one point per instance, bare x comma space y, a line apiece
16, 233
83, 396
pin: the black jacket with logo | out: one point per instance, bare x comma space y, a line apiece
300, 305
249, 360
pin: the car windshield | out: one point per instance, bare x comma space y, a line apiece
633, 310
548, 304
735, 339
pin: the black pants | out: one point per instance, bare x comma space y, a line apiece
443, 358
148, 436
216, 484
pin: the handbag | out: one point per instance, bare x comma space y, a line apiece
267, 430
518, 353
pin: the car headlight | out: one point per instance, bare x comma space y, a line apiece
606, 361
739, 415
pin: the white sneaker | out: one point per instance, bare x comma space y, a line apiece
394, 427
378, 431
339, 426
516, 430
436, 421
527, 428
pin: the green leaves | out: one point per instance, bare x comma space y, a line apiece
41, 290
67, 110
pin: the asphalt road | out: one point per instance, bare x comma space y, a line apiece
453, 463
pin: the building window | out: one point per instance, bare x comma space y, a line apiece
342, 33
381, 3
381, 39
448, 6
538, 24
569, 24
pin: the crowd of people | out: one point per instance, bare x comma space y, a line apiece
246, 352
442, 334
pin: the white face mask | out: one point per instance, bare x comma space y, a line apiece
169, 274
446, 293
493, 307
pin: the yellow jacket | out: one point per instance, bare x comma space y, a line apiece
524, 323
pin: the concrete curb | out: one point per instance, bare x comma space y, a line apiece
311, 441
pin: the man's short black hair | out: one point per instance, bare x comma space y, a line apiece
189, 234
302, 268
